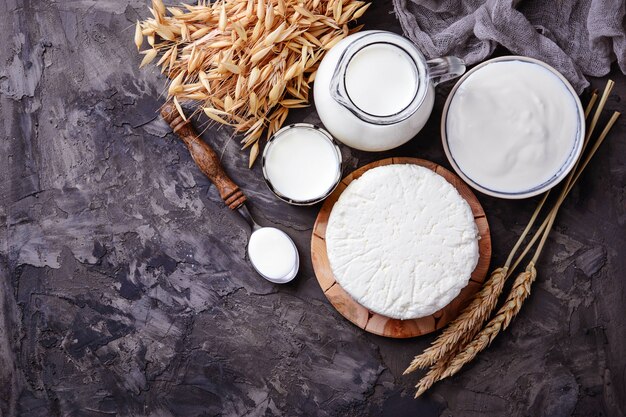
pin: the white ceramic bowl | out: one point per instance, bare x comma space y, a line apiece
563, 170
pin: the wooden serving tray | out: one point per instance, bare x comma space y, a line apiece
376, 323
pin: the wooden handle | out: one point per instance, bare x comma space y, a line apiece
205, 157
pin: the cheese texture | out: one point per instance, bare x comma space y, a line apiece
402, 241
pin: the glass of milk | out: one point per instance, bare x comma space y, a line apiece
302, 164
374, 90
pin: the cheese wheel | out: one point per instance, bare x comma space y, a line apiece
402, 241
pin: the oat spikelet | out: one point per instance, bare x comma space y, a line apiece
158, 7
254, 152
138, 36
179, 109
361, 11
150, 54
213, 115
466, 325
223, 19
512, 306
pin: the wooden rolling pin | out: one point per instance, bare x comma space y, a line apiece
205, 157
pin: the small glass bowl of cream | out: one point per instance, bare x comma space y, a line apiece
302, 164
513, 127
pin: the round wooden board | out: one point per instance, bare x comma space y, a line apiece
376, 323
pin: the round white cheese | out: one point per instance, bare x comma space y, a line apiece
402, 241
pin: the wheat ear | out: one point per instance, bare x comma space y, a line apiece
513, 304
463, 329
522, 285
434, 374
449, 363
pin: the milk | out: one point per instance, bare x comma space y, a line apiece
301, 163
512, 126
381, 79
272, 253
373, 91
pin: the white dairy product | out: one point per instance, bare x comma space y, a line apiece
272, 253
368, 91
402, 241
381, 79
301, 163
512, 126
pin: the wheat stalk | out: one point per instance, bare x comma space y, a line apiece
244, 63
463, 329
470, 342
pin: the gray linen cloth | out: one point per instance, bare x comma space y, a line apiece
577, 37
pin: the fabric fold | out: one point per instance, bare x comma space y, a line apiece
579, 38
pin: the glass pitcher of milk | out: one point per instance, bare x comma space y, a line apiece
374, 90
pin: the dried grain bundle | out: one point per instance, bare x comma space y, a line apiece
245, 63
464, 328
466, 338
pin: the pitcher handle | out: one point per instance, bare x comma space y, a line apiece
445, 68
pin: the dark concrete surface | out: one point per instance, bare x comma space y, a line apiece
125, 289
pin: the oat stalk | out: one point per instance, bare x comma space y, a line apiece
244, 63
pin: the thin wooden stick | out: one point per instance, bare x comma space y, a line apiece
529, 226
605, 95
595, 147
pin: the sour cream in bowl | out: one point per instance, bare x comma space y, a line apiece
513, 127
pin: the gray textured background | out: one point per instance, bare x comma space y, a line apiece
125, 289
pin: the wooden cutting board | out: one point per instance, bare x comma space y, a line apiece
376, 323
